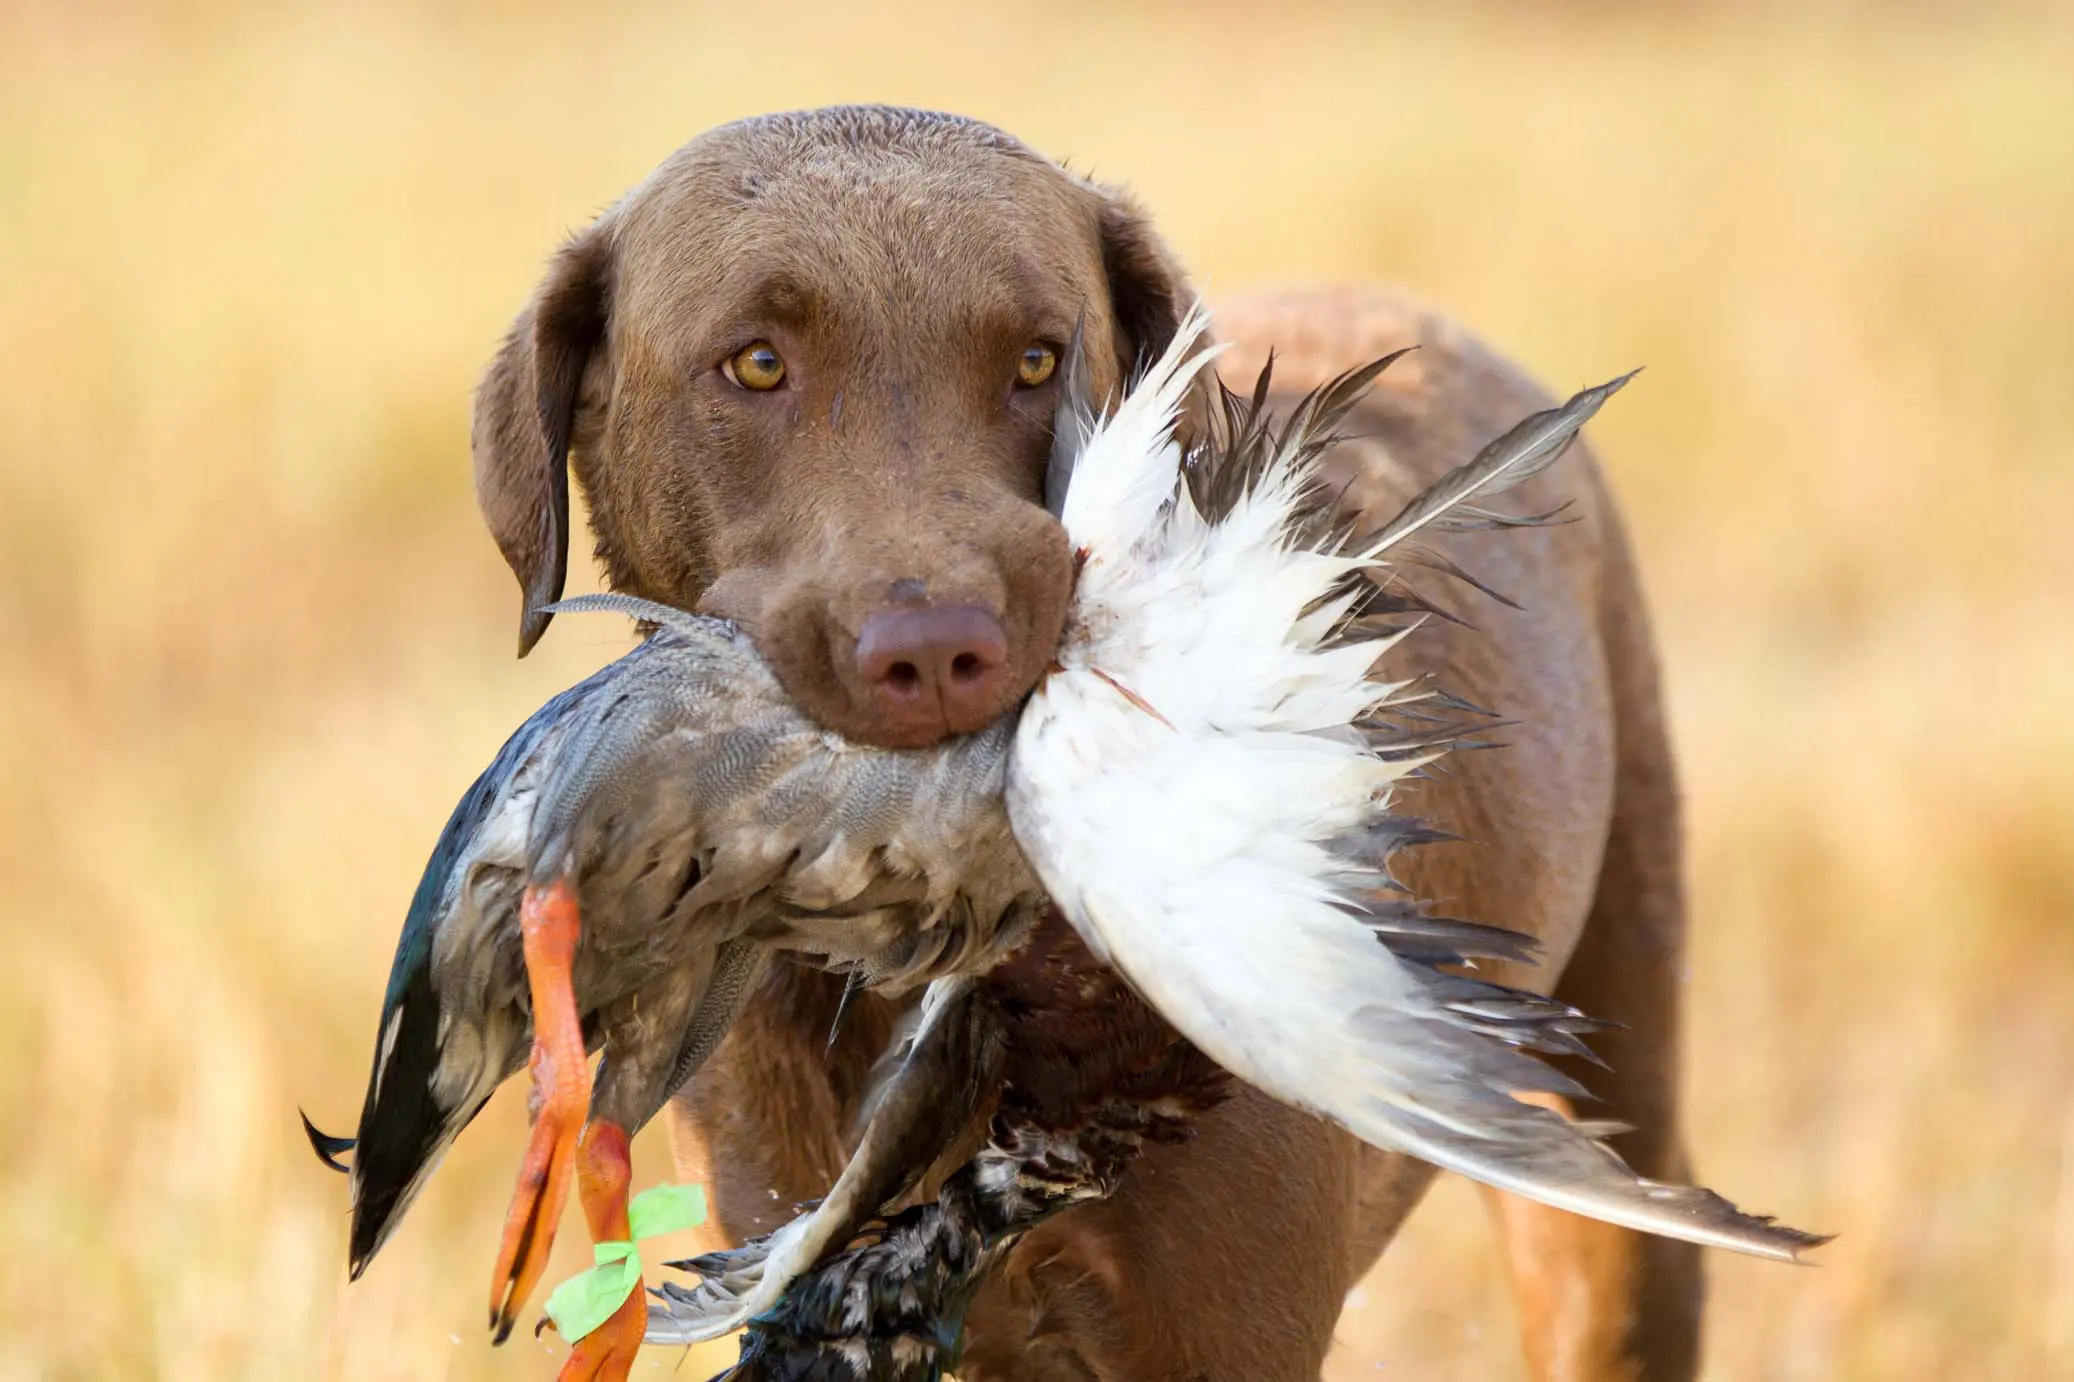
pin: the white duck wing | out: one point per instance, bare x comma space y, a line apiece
1203, 788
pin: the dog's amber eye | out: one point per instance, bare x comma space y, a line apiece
1035, 366
757, 366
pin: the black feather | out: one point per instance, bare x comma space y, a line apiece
1418, 554
1246, 442
1444, 699
325, 1145
401, 1123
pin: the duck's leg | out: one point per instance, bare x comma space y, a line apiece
549, 925
603, 1171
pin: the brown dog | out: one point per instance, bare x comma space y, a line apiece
804, 374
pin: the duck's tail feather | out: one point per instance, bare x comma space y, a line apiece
404, 1128
1407, 1055
326, 1146
405, 1123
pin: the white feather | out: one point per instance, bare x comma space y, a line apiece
1179, 781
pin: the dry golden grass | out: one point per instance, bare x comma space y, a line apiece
253, 643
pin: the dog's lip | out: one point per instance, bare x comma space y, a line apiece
736, 596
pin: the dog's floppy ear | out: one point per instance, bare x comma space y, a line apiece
525, 414
1148, 293
1148, 296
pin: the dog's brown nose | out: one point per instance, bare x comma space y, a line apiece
934, 671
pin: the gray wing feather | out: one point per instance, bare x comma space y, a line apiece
1519, 455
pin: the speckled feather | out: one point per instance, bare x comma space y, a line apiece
707, 824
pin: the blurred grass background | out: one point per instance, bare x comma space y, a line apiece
253, 642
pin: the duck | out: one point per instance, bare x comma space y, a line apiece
616, 883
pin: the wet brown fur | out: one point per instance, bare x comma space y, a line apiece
900, 263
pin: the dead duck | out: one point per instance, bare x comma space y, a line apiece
616, 880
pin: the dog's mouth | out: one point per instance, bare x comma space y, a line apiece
906, 677
900, 641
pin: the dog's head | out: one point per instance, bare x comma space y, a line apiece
806, 373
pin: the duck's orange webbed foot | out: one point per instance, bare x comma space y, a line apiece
603, 1173
550, 926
